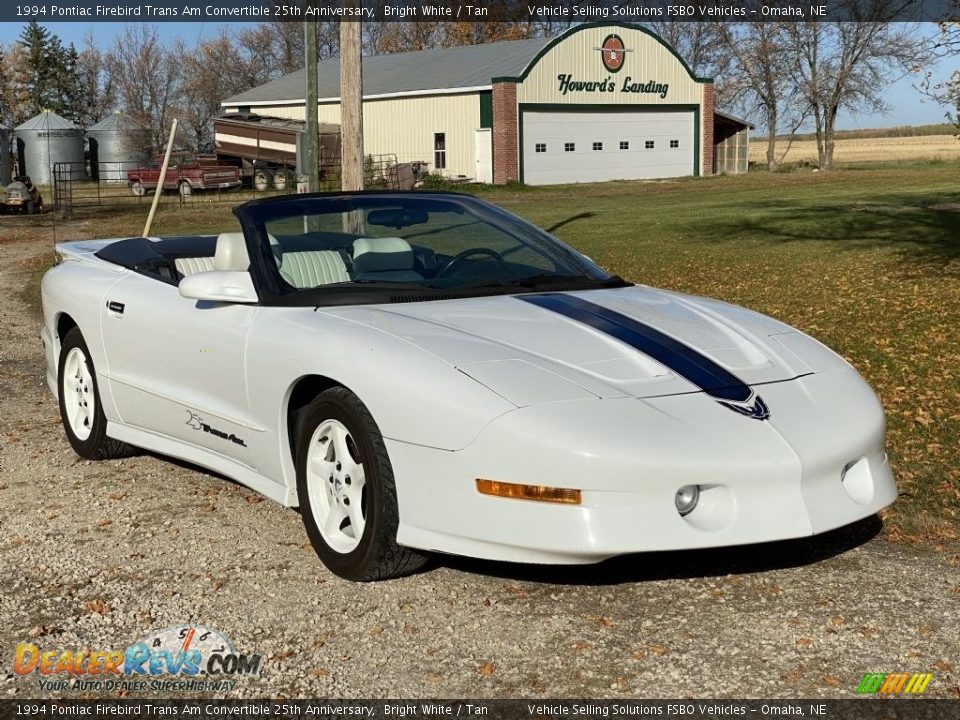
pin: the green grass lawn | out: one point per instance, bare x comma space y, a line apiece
867, 260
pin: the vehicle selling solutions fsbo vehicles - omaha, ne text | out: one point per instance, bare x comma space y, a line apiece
426, 372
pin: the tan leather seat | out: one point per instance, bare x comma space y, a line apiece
231, 253
311, 268
189, 266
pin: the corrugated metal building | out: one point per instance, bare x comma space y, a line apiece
602, 101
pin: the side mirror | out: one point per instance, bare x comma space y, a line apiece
219, 286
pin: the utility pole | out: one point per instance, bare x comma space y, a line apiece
351, 103
311, 148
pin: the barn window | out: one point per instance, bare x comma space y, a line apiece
598, 146
540, 147
648, 144
674, 143
569, 147
440, 151
624, 145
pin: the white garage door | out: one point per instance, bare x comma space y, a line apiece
569, 147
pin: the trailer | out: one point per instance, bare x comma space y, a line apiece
269, 151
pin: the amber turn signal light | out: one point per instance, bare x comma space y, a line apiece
541, 493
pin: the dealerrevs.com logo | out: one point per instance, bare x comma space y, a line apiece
894, 683
187, 657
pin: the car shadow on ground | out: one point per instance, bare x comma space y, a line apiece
681, 564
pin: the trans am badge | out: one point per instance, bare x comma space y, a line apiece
197, 423
757, 410
612, 52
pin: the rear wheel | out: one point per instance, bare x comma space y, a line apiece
347, 493
80, 408
184, 189
136, 187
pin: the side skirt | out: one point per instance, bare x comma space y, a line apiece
243, 474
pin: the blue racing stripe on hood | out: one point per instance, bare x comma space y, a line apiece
716, 381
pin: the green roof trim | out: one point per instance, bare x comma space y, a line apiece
589, 26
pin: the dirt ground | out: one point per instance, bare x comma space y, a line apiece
98, 555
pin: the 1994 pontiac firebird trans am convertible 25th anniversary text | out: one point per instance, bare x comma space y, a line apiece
426, 372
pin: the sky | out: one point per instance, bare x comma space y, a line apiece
908, 105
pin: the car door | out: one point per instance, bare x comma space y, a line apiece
176, 366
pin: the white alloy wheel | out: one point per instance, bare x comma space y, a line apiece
79, 398
336, 479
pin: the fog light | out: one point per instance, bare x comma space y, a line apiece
686, 499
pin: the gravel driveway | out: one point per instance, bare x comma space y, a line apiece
99, 554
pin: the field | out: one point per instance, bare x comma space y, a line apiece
943, 148
866, 260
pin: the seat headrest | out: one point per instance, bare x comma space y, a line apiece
231, 253
380, 254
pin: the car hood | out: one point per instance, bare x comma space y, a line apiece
529, 353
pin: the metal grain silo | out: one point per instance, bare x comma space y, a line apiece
117, 143
4, 157
48, 139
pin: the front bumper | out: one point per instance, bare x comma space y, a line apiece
760, 480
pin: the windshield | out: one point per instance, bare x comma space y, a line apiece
403, 241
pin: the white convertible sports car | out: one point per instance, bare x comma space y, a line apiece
425, 372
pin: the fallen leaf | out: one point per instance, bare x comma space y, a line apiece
282, 655
943, 665
434, 679
601, 620
104, 522
831, 680
320, 672
375, 630
659, 649
253, 499
43, 631
804, 642
98, 606
580, 646
486, 670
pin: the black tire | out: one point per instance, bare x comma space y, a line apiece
96, 446
31, 207
378, 556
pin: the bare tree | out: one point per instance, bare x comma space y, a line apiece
761, 78
146, 76
212, 71
847, 65
96, 84
14, 93
946, 44
698, 43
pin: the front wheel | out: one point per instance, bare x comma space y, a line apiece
136, 188
347, 493
80, 408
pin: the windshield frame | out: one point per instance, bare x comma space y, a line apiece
274, 290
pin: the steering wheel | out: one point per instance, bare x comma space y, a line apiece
457, 260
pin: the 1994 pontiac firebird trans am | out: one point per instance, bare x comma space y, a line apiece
426, 372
